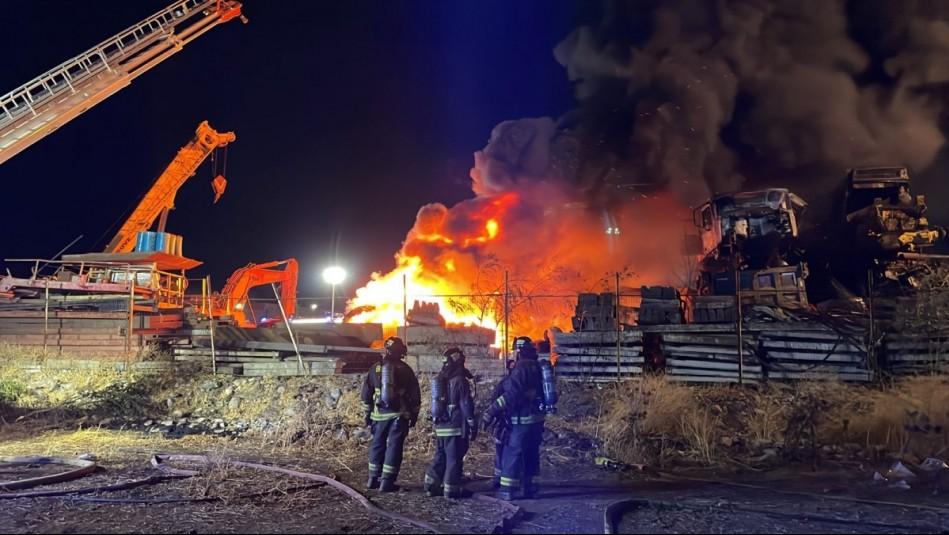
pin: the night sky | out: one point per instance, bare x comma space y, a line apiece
349, 116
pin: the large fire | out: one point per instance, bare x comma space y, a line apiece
434, 266
550, 247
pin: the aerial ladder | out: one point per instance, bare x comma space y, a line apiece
160, 199
37, 108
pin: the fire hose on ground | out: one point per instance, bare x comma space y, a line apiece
84, 468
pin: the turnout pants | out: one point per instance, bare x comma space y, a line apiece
520, 459
447, 467
388, 442
498, 460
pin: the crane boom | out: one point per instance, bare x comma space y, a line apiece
37, 108
161, 197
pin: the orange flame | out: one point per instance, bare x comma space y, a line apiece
427, 269
552, 247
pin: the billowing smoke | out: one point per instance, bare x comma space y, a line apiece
720, 93
677, 99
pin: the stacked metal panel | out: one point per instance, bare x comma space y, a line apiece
916, 353
594, 356
814, 351
709, 357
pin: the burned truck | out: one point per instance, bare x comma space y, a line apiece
748, 242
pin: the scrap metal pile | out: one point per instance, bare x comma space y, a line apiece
888, 313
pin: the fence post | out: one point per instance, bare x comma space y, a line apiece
206, 288
738, 316
616, 313
871, 343
405, 311
46, 320
128, 335
507, 315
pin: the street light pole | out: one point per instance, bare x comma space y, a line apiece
334, 275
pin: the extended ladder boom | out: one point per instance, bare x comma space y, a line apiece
37, 108
161, 197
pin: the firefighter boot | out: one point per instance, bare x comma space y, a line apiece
453, 491
373, 483
530, 488
387, 484
506, 494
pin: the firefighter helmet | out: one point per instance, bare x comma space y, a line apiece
455, 355
395, 347
520, 341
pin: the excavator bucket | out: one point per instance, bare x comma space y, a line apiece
219, 184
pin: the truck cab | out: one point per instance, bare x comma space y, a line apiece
748, 216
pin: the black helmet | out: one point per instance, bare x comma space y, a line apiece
395, 347
524, 347
519, 342
454, 354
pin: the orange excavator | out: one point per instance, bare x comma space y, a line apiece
234, 299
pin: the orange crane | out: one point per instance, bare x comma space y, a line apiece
234, 299
37, 108
160, 199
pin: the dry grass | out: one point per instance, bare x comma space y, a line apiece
641, 419
104, 443
700, 430
910, 418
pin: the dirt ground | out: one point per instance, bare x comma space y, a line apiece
573, 498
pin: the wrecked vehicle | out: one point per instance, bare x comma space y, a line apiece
883, 214
759, 224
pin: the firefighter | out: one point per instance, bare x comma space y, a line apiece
521, 403
501, 427
453, 416
391, 399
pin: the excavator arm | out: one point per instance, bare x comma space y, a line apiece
234, 298
161, 197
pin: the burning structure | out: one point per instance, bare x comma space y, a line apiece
679, 102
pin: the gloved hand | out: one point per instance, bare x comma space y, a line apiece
472, 430
488, 420
412, 421
368, 419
